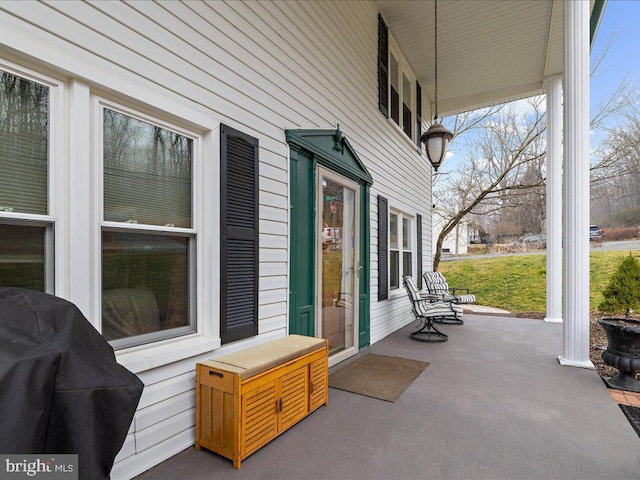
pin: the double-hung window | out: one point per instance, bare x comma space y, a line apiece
399, 94
26, 222
401, 91
148, 228
401, 248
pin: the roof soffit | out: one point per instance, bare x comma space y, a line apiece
489, 51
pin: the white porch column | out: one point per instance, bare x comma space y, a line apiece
576, 182
553, 87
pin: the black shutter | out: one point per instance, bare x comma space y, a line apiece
383, 249
419, 250
383, 67
239, 235
418, 116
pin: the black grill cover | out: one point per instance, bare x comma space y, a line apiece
61, 390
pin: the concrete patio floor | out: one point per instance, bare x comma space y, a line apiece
493, 404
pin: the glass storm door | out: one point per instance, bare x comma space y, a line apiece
337, 266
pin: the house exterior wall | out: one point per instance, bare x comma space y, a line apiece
259, 67
456, 242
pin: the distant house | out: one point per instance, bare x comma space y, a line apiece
477, 234
457, 241
170, 167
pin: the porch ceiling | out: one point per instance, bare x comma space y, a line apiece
489, 51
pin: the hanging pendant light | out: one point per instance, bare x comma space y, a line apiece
437, 137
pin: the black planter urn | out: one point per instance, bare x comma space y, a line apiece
623, 351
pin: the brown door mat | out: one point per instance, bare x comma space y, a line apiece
378, 376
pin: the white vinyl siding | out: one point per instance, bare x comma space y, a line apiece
259, 67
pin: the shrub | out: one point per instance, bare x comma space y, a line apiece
474, 249
621, 233
623, 291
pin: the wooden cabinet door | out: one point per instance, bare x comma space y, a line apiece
318, 384
293, 390
259, 417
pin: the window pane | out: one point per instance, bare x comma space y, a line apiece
394, 90
395, 106
406, 106
393, 231
394, 269
393, 72
145, 284
406, 120
24, 145
406, 234
406, 91
22, 262
147, 173
407, 264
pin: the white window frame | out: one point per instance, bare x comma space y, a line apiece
403, 68
51, 221
192, 233
412, 246
204, 206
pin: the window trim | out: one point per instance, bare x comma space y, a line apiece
99, 103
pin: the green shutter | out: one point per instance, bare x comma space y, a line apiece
383, 249
365, 274
302, 244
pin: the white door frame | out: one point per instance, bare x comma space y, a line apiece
321, 173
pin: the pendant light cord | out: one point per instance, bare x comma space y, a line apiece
436, 58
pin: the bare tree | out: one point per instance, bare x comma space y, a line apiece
615, 173
499, 165
503, 172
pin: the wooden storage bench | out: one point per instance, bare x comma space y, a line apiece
247, 398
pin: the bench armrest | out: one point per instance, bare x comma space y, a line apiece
453, 290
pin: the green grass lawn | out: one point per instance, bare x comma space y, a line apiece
517, 283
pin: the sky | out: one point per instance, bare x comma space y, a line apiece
620, 25
620, 22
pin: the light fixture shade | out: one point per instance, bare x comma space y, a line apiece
436, 140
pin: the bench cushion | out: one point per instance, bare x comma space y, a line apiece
255, 360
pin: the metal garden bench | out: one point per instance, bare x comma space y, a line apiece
427, 311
